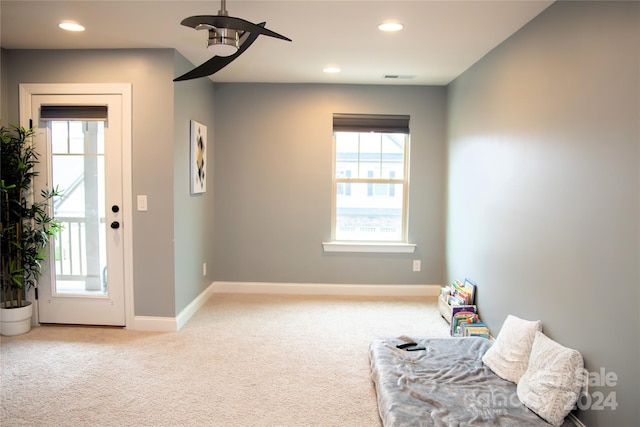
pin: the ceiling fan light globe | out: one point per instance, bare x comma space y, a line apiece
222, 49
223, 41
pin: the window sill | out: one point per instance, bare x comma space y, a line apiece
394, 248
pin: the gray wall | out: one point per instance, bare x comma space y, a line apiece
172, 239
543, 187
155, 142
193, 213
272, 179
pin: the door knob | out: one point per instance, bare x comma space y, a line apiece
115, 208
115, 224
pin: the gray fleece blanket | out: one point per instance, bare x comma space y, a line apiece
444, 385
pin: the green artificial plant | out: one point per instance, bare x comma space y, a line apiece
26, 224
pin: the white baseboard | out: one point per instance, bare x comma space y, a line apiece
173, 324
325, 289
194, 306
155, 324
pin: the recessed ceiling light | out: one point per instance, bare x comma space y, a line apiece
71, 26
390, 26
331, 69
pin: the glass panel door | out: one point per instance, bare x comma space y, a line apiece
82, 282
77, 165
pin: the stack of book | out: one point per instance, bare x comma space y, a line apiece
462, 293
457, 305
465, 322
473, 329
462, 314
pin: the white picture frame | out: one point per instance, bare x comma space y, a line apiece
198, 158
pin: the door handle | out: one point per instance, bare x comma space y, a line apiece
115, 208
115, 225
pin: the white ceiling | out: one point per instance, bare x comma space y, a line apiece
440, 40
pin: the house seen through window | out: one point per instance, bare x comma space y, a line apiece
370, 178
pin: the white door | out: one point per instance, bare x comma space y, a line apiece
83, 281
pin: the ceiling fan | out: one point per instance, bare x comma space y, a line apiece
228, 38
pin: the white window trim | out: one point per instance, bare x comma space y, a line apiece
395, 248
348, 180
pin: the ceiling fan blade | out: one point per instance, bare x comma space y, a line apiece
222, 21
217, 63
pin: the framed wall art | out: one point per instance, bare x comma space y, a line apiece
198, 157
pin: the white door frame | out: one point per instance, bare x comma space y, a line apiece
124, 90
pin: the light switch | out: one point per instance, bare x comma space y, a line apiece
142, 202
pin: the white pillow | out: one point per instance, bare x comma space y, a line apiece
552, 384
508, 357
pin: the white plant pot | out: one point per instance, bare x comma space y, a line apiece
16, 321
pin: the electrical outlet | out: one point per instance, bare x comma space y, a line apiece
204, 268
417, 265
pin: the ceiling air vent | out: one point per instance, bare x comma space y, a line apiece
399, 76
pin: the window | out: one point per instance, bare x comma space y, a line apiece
370, 178
77, 149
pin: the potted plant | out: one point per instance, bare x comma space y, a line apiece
25, 228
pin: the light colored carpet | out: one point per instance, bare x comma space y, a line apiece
242, 360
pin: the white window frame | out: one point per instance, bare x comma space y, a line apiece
399, 246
